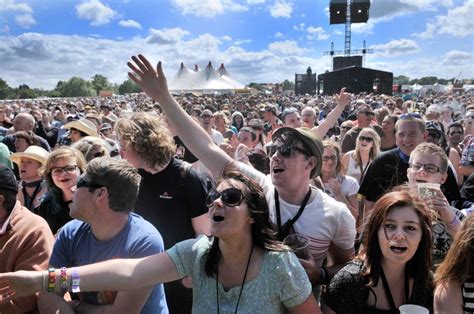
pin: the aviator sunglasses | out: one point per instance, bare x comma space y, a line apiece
230, 197
284, 150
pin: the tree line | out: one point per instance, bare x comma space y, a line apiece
79, 87
74, 87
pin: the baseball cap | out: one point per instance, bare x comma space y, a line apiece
309, 139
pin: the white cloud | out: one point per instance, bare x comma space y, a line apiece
130, 24
207, 8
299, 27
226, 38
396, 48
458, 58
242, 42
316, 33
281, 9
337, 32
363, 28
287, 47
166, 35
458, 22
13, 6
25, 20
255, 2
95, 11
278, 35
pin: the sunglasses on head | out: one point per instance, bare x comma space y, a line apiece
81, 182
284, 150
230, 197
410, 115
366, 139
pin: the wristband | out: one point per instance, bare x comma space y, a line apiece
51, 279
75, 280
63, 279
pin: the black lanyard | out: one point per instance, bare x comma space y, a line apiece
388, 293
29, 201
289, 223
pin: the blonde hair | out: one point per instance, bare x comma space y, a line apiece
374, 151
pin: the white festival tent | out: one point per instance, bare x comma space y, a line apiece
207, 80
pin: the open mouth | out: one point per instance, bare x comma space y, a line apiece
421, 181
278, 170
398, 249
217, 218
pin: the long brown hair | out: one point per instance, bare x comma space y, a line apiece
458, 265
420, 264
264, 233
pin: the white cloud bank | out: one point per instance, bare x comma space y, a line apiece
96, 12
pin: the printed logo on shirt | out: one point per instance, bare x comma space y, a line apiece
165, 195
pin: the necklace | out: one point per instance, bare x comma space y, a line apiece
241, 287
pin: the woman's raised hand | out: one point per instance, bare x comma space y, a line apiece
19, 284
152, 82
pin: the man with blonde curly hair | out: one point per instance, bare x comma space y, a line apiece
172, 195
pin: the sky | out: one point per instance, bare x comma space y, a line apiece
44, 41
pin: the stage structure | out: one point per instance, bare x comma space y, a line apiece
348, 64
357, 80
305, 83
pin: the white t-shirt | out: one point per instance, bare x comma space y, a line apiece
349, 186
324, 220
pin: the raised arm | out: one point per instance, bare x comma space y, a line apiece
153, 83
342, 100
112, 275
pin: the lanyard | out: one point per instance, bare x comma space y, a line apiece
388, 293
291, 221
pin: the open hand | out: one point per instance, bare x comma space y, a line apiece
152, 82
19, 284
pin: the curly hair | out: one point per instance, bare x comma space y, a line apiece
148, 137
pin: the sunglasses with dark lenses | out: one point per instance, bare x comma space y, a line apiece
434, 135
230, 197
328, 158
368, 113
346, 127
284, 150
81, 182
366, 139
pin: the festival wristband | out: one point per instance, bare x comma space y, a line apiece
63, 279
75, 280
51, 279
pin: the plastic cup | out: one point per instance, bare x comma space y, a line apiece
413, 309
427, 190
299, 244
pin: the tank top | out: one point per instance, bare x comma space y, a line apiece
353, 169
468, 296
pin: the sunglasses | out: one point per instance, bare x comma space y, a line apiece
428, 167
81, 182
67, 169
284, 150
328, 158
346, 127
366, 139
368, 113
434, 135
410, 115
230, 197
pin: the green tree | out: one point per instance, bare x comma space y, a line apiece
100, 82
25, 92
256, 86
287, 85
76, 87
414, 81
401, 79
428, 80
128, 87
5, 90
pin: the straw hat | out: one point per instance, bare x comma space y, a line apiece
83, 125
33, 152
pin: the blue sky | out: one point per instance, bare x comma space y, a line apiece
44, 41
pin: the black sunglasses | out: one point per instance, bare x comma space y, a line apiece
368, 113
346, 127
365, 138
81, 182
284, 150
230, 197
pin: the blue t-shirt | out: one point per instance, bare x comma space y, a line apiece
76, 246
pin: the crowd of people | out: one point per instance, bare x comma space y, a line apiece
154, 203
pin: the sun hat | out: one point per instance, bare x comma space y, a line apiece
83, 125
32, 152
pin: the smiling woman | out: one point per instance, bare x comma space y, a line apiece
393, 267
